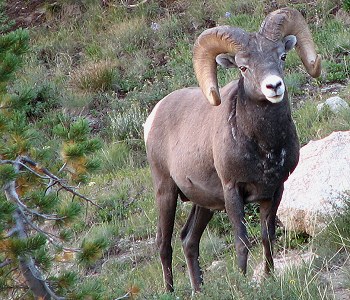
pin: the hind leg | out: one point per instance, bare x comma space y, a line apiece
166, 199
190, 236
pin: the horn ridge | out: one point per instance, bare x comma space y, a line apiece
209, 44
289, 21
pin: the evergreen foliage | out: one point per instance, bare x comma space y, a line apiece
36, 206
346, 4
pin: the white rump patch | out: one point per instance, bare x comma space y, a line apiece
148, 124
273, 88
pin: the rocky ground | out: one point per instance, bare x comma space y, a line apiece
27, 13
336, 276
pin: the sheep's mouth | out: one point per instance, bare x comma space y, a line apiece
276, 98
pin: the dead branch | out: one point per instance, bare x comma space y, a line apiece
62, 168
57, 180
49, 187
107, 3
30, 272
36, 213
32, 171
5, 263
51, 237
32, 275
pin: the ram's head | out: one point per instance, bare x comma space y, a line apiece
259, 56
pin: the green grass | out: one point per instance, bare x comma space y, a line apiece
312, 124
337, 237
110, 65
126, 123
223, 283
294, 83
338, 71
346, 5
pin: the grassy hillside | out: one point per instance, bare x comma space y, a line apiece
111, 61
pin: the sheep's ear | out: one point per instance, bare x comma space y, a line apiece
289, 42
226, 60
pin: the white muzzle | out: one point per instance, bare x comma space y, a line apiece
273, 88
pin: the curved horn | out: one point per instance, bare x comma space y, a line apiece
210, 43
286, 21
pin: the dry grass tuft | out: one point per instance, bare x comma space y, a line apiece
95, 77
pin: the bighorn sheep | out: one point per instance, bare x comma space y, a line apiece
234, 151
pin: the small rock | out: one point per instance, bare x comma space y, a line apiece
332, 88
155, 26
343, 16
335, 104
216, 265
284, 262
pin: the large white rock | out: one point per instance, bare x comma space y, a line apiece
318, 184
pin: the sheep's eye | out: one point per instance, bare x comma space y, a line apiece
243, 69
284, 56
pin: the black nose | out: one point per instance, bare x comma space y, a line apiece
274, 86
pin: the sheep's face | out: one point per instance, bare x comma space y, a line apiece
261, 64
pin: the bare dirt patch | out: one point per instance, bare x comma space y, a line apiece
337, 278
27, 13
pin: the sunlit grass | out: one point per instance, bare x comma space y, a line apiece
96, 77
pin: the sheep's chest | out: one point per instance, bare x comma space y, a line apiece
267, 163
268, 166
259, 167
260, 143
265, 172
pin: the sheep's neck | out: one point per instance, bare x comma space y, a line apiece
262, 121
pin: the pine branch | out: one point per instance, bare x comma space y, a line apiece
23, 218
51, 237
30, 272
31, 170
12, 196
32, 275
36, 213
57, 180
24, 160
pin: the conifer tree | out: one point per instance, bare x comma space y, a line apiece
38, 202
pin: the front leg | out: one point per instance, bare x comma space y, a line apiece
268, 210
235, 210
